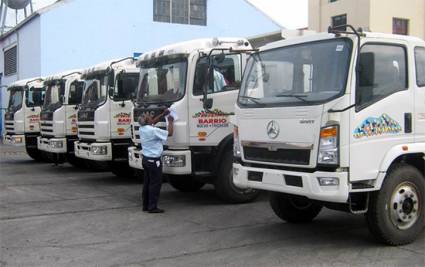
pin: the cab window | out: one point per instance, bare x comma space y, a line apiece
420, 66
382, 71
126, 86
227, 74
34, 97
76, 93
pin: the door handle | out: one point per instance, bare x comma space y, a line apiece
407, 122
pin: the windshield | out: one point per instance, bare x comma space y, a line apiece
15, 99
55, 91
126, 86
162, 81
305, 74
34, 97
95, 91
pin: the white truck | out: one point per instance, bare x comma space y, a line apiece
199, 80
104, 116
22, 116
337, 120
58, 117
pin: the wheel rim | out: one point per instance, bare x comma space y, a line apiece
405, 206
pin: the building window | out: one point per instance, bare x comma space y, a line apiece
192, 12
339, 21
11, 61
400, 26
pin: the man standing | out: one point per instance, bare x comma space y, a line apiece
152, 140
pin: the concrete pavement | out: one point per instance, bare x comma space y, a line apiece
61, 216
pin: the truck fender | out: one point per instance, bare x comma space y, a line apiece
395, 153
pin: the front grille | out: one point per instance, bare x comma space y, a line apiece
86, 116
85, 133
9, 116
46, 116
86, 126
284, 156
46, 124
151, 111
47, 130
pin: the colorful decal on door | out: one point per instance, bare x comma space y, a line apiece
123, 118
212, 119
377, 126
34, 118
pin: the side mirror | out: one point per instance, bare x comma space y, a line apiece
208, 103
209, 85
111, 91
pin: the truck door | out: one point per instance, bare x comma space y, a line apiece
122, 104
75, 95
209, 128
382, 117
419, 85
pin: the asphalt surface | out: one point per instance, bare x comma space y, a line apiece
62, 216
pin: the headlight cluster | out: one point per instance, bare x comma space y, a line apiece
56, 144
99, 150
236, 144
17, 140
328, 146
174, 160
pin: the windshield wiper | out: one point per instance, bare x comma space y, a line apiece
300, 97
253, 99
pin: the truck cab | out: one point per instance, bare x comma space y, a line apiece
199, 81
58, 117
104, 116
22, 116
337, 120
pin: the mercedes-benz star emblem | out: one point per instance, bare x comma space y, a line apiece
273, 129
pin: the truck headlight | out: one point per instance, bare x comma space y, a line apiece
328, 146
17, 140
99, 150
56, 144
174, 160
236, 144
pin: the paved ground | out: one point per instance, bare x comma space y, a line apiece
57, 215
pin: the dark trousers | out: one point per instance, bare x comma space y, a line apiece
152, 168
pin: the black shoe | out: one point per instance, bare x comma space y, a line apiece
145, 209
156, 211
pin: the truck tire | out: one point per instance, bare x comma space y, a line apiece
96, 166
122, 169
34, 153
224, 186
75, 161
185, 183
396, 212
294, 209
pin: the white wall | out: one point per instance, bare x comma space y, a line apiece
27, 40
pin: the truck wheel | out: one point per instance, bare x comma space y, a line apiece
34, 153
224, 186
396, 212
185, 183
75, 161
122, 169
96, 166
294, 209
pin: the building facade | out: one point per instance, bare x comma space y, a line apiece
74, 34
388, 16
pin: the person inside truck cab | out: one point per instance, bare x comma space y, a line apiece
152, 140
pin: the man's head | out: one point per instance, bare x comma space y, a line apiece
145, 119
